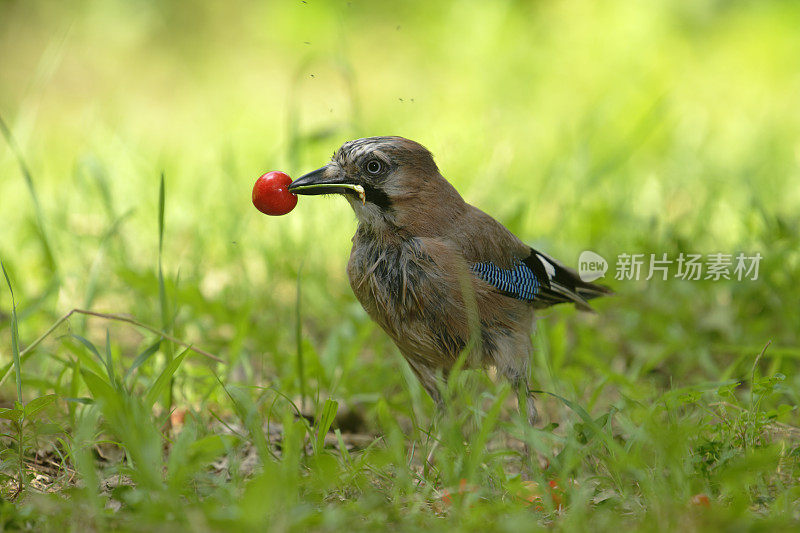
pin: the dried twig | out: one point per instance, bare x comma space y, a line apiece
24, 354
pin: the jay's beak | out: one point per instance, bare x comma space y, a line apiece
325, 181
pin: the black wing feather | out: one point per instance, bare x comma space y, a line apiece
559, 283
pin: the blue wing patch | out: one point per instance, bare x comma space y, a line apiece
518, 282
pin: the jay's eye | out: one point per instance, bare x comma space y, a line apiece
374, 167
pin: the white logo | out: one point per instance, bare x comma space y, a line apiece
591, 266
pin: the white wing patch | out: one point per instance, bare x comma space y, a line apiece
548, 266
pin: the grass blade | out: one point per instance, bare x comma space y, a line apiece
614, 448
109, 360
249, 415
142, 357
26, 173
101, 390
162, 290
14, 335
37, 404
164, 379
326, 420
298, 337
91, 347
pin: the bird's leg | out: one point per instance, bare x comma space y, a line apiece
525, 403
527, 408
435, 434
431, 382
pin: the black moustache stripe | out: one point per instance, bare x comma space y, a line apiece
378, 197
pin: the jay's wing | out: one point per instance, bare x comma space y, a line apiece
560, 283
499, 258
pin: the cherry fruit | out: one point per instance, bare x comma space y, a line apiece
271, 194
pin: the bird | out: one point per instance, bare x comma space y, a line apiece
438, 275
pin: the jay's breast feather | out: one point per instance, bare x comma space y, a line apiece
423, 295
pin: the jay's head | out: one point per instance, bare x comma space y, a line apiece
387, 180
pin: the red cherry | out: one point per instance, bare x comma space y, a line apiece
271, 195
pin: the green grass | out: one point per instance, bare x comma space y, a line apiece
132, 134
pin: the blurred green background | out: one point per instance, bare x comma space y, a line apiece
616, 126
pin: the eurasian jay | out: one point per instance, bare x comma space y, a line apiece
437, 274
